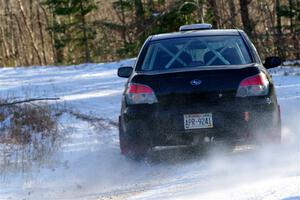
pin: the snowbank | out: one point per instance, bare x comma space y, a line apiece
88, 164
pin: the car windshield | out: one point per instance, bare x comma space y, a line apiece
195, 52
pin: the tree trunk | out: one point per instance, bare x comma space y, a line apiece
31, 28
279, 40
215, 15
49, 40
122, 18
292, 27
247, 23
232, 12
85, 37
41, 34
291, 16
32, 38
5, 45
25, 60
139, 17
6, 31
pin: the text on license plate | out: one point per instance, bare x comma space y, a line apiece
195, 121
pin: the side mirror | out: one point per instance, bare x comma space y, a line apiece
272, 62
125, 72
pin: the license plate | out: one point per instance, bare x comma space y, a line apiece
196, 121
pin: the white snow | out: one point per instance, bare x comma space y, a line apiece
88, 164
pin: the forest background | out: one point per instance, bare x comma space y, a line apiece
61, 32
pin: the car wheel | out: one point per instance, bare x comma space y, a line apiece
133, 143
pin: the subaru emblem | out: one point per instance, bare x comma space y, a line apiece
196, 82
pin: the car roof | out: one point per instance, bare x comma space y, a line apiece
194, 33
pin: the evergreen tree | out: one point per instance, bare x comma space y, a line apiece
150, 17
70, 27
292, 12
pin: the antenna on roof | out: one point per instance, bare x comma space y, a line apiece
193, 27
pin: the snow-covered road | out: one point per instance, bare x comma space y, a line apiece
89, 166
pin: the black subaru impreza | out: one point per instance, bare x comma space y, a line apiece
197, 86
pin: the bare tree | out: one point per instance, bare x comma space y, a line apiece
26, 39
139, 15
215, 15
247, 23
279, 39
31, 34
232, 12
